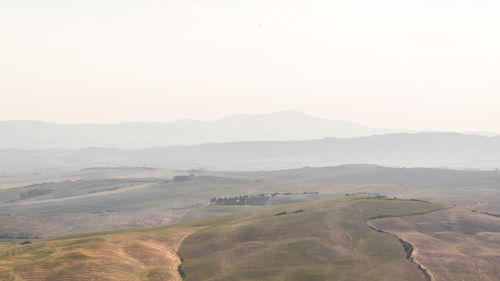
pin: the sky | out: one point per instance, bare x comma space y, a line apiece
428, 64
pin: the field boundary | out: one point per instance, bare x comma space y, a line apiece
407, 246
89, 195
486, 213
21, 249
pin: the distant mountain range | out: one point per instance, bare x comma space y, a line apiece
443, 150
286, 125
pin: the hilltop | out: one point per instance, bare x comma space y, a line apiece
431, 150
100, 199
285, 125
325, 240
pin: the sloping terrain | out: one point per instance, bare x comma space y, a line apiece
317, 240
55, 208
101, 199
88, 174
122, 255
285, 125
452, 244
456, 151
476, 189
375, 174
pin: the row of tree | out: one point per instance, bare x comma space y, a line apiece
242, 200
257, 200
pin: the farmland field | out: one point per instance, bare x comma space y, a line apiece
316, 240
324, 240
121, 255
453, 244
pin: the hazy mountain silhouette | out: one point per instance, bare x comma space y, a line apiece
286, 125
446, 150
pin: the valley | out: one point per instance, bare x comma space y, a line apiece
334, 223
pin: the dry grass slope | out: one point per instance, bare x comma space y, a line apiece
453, 244
329, 240
121, 255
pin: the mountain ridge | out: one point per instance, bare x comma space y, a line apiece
279, 126
432, 150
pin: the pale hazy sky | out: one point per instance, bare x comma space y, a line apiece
427, 64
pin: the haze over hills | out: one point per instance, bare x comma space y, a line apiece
286, 125
242, 142
444, 150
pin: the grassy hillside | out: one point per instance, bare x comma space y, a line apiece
318, 240
452, 244
101, 199
121, 255
96, 173
477, 189
49, 209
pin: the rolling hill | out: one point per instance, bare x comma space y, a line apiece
453, 244
432, 150
375, 174
316, 240
148, 254
102, 199
325, 240
286, 125
108, 199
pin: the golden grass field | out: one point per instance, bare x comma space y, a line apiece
326, 240
121, 255
452, 244
316, 240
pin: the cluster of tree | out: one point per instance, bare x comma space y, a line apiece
242, 200
102, 212
289, 212
486, 213
428, 277
118, 168
179, 268
34, 193
418, 200
408, 248
362, 193
182, 178
253, 200
295, 193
